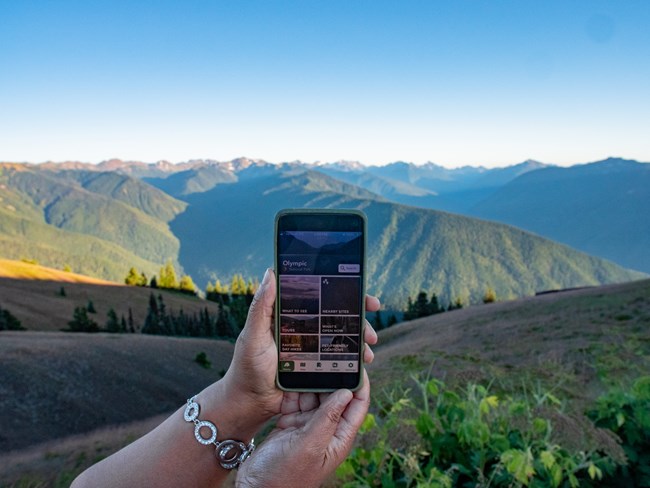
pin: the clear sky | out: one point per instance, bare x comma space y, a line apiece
453, 82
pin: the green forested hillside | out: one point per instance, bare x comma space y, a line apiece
131, 191
600, 208
99, 224
410, 249
24, 238
194, 180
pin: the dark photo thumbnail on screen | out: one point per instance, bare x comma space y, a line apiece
299, 324
299, 294
340, 344
339, 324
299, 343
340, 296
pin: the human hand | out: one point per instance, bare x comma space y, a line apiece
251, 377
313, 435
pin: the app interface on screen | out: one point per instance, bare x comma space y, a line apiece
320, 301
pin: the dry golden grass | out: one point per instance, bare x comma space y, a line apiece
33, 294
27, 271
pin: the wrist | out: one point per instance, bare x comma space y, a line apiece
236, 415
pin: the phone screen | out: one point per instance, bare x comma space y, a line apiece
320, 306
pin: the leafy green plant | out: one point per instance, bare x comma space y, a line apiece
432, 435
626, 412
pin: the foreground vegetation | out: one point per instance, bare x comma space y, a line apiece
436, 435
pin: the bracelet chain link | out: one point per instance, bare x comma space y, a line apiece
229, 453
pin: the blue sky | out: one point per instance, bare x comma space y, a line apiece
453, 82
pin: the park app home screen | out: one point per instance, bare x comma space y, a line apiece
320, 301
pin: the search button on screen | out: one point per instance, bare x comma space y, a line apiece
349, 268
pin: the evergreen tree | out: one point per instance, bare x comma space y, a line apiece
123, 327
165, 323
62, 291
238, 285
490, 295
221, 289
152, 320
392, 320
238, 311
217, 293
91, 307
455, 305
409, 313
187, 285
422, 305
223, 326
132, 278
206, 327
81, 322
434, 306
154, 282
251, 288
112, 324
131, 324
8, 321
167, 276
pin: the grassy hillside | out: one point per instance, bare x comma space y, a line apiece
410, 249
578, 342
32, 294
600, 208
574, 344
75, 383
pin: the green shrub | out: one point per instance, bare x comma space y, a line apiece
202, 360
440, 437
627, 414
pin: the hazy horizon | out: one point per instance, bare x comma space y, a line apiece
442, 164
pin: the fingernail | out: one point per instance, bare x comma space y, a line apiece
267, 277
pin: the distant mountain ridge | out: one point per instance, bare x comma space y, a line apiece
214, 219
410, 249
600, 208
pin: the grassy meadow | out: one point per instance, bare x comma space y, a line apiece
551, 390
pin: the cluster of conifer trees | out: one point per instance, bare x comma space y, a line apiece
423, 306
166, 280
161, 320
233, 299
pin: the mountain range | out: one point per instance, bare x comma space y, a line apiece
216, 218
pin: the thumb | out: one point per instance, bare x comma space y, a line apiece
322, 426
260, 313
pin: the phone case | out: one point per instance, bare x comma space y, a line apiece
363, 290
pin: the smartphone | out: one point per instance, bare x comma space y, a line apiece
320, 263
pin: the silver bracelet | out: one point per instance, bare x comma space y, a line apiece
230, 454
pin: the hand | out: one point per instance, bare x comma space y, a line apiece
255, 361
314, 434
